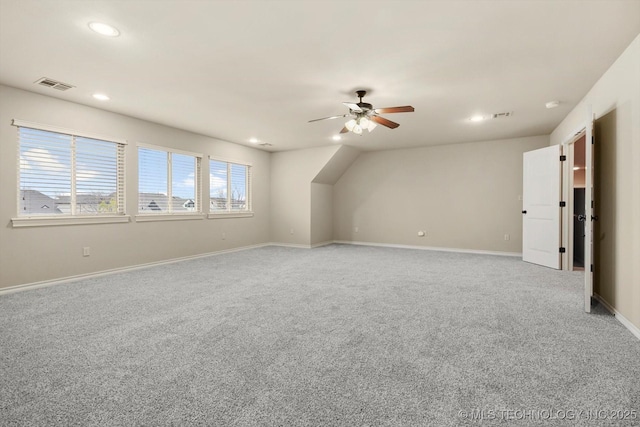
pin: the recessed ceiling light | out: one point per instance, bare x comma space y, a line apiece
552, 104
477, 118
253, 140
336, 137
101, 97
104, 29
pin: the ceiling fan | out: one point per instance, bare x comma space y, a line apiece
364, 116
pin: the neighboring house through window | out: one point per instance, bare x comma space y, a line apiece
65, 174
168, 181
229, 187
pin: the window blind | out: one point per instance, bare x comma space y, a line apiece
64, 174
230, 186
168, 182
218, 185
238, 181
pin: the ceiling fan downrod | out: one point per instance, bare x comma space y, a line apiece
363, 105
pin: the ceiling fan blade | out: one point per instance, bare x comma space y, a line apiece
329, 118
384, 122
344, 130
353, 107
404, 109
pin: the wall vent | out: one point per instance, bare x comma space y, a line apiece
498, 115
54, 84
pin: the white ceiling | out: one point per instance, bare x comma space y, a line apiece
263, 68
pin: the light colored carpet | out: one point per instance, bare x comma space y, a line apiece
339, 335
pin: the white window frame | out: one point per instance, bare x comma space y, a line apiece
229, 213
73, 219
172, 216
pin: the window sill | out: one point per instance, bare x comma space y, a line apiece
230, 215
168, 217
47, 221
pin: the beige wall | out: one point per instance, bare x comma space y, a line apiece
29, 255
301, 193
615, 101
578, 178
291, 175
465, 196
321, 214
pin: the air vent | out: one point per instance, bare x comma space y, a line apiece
482, 118
54, 84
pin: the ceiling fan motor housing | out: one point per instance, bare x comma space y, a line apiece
364, 106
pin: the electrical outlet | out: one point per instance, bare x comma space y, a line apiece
291, 231
224, 235
86, 251
355, 229
507, 237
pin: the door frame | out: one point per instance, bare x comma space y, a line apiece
588, 127
567, 195
591, 217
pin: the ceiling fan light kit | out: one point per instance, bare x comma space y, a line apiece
364, 116
358, 125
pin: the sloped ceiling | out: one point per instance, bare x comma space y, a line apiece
337, 165
241, 69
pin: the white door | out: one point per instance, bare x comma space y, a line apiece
541, 206
589, 213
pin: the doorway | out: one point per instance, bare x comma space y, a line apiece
578, 228
579, 184
577, 202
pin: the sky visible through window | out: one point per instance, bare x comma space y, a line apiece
153, 173
220, 173
45, 163
45, 166
218, 179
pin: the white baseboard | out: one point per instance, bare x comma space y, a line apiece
67, 279
290, 245
430, 248
301, 246
45, 283
625, 322
325, 243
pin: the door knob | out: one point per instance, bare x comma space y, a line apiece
524, 212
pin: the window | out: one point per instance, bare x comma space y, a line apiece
168, 182
65, 175
229, 187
